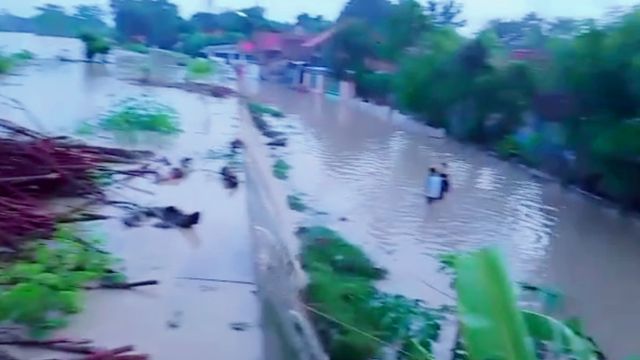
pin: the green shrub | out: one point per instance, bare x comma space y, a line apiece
508, 147
6, 64
342, 286
144, 114
261, 109
23, 55
200, 67
281, 169
295, 203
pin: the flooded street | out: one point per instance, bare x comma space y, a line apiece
371, 171
350, 164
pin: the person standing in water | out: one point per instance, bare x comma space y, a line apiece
433, 186
445, 179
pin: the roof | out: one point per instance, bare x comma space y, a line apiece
320, 38
246, 47
268, 41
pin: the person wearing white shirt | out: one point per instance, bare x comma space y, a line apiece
433, 186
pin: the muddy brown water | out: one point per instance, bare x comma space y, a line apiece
371, 170
205, 273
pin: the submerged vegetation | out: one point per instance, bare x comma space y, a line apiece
262, 109
296, 203
47, 284
281, 169
8, 62
136, 114
343, 297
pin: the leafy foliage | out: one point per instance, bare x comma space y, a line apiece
258, 108
281, 169
296, 203
94, 44
492, 324
200, 67
140, 114
46, 285
342, 286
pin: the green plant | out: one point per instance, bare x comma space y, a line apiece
94, 44
281, 169
508, 147
23, 55
140, 114
493, 326
46, 284
200, 67
342, 286
296, 203
261, 109
6, 63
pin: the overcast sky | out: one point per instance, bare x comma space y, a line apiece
477, 12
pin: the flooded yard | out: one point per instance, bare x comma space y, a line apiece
205, 305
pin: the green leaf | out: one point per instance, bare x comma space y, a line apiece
69, 301
545, 328
492, 325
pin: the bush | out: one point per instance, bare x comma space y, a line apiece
342, 287
295, 203
281, 169
262, 109
94, 44
6, 63
200, 67
508, 147
144, 114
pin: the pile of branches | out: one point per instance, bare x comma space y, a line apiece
35, 167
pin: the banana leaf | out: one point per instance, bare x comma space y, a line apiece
544, 328
492, 325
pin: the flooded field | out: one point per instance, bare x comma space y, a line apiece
205, 273
371, 171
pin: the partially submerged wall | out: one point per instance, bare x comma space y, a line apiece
278, 272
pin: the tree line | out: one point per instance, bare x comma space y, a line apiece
560, 94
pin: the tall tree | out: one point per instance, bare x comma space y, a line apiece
445, 13
374, 12
156, 20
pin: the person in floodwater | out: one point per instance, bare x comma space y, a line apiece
445, 179
433, 186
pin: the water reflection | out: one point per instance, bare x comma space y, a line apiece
372, 171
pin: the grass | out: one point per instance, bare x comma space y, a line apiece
24, 55
136, 47
342, 286
281, 169
296, 203
200, 67
140, 114
257, 108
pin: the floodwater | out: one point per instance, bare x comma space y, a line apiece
371, 170
206, 273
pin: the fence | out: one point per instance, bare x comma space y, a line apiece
278, 272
